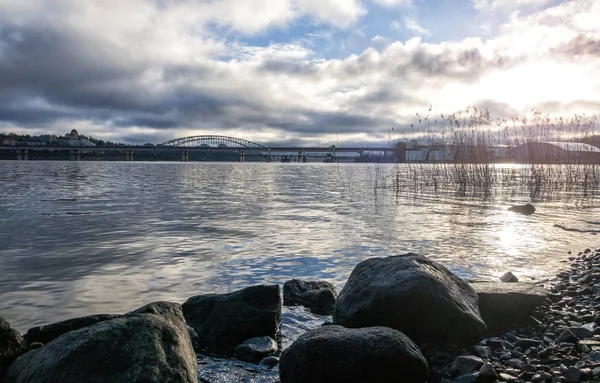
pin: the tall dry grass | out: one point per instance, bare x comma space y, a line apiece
473, 137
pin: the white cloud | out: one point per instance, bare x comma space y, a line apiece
412, 24
491, 5
394, 3
118, 68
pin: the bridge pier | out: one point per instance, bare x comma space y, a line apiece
300, 154
22, 155
242, 156
131, 155
184, 156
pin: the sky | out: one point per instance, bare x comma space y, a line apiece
304, 72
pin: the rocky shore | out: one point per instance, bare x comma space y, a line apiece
403, 318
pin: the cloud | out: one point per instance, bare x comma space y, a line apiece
394, 3
163, 69
412, 24
491, 5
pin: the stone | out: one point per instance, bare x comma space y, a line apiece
526, 209
255, 349
337, 354
505, 306
526, 343
412, 294
269, 361
466, 364
168, 309
567, 336
137, 348
572, 375
487, 373
12, 345
47, 333
482, 351
467, 378
581, 332
318, 296
223, 321
509, 277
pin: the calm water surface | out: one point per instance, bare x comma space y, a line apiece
93, 237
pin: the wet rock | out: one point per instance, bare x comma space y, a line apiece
168, 309
318, 296
336, 354
482, 351
526, 343
223, 321
269, 362
47, 333
487, 373
526, 209
466, 364
567, 336
508, 277
255, 349
505, 306
572, 375
139, 348
467, 378
412, 294
11, 345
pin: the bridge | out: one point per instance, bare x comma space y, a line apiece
193, 144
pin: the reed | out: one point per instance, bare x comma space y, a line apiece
475, 141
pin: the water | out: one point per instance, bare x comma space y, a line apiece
78, 238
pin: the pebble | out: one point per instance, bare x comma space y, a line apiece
562, 346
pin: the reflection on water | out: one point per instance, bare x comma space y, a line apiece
81, 237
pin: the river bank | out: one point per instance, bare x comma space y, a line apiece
560, 341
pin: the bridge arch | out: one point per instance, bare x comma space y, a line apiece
213, 141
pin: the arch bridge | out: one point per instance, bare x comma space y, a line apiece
212, 141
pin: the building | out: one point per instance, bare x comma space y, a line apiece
539, 152
9, 141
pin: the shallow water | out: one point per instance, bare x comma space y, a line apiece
103, 237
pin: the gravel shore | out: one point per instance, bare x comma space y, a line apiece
564, 345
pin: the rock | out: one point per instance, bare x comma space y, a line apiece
45, 334
504, 306
526, 209
255, 349
12, 345
269, 362
318, 296
468, 378
223, 321
168, 309
336, 354
482, 351
572, 375
137, 348
412, 294
526, 343
567, 336
508, 277
466, 364
581, 332
487, 373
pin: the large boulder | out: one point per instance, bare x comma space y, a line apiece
45, 334
318, 296
503, 306
137, 348
167, 309
333, 354
11, 345
412, 294
223, 321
